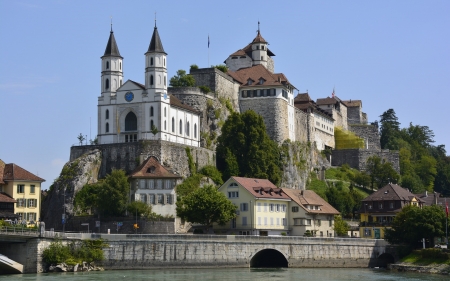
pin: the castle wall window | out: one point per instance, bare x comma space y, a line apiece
187, 128
107, 114
107, 84
151, 111
131, 122
173, 125
107, 65
195, 130
151, 79
107, 127
181, 127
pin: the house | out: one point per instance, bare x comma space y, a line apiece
309, 213
262, 207
379, 209
7, 207
25, 188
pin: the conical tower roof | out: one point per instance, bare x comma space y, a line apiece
155, 44
111, 48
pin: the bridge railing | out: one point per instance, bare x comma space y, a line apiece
22, 231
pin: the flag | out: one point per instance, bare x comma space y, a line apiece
332, 94
446, 207
208, 41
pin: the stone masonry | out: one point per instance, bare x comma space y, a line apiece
369, 133
357, 158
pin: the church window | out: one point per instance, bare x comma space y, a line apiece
120, 64
107, 114
257, 47
173, 125
107, 127
107, 65
165, 125
151, 124
262, 47
164, 112
187, 128
164, 80
131, 122
262, 57
120, 82
195, 130
107, 84
164, 62
181, 127
151, 61
151, 110
151, 79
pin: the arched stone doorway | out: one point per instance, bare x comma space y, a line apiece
385, 259
268, 258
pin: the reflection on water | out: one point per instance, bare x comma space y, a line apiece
242, 274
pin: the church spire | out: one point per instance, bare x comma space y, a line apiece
111, 48
155, 44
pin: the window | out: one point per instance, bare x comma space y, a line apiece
187, 128
168, 184
367, 232
244, 221
151, 184
31, 217
271, 221
159, 184
308, 221
297, 221
370, 206
164, 62
152, 199
265, 220
31, 203
20, 202
120, 65
278, 208
107, 127
160, 199
233, 223
173, 125
165, 125
164, 80
283, 221
151, 124
195, 130
319, 222
131, 122
143, 198
169, 199
181, 127
244, 207
107, 114
380, 205
20, 188
151, 79
120, 82
151, 61
107, 84
233, 194
265, 207
107, 64
244, 94
151, 111
391, 205
295, 209
259, 207
283, 208
271, 207
164, 112
32, 189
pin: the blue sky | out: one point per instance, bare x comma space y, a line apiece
389, 54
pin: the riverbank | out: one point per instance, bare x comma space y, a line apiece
436, 261
434, 268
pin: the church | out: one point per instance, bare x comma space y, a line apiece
130, 111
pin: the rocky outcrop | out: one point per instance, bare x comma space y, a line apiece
73, 177
437, 269
62, 267
299, 159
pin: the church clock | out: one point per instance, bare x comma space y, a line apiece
129, 96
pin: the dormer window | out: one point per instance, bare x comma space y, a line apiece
261, 81
249, 81
151, 170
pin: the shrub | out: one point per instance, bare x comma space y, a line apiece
204, 89
194, 66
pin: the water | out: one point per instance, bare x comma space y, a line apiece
241, 274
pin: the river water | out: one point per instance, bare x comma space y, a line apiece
242, 274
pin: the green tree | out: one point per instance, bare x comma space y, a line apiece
412, 224
154, 130
381, 173
245, 149
113, 194
389, 129
221, 67
81, 138
181, 79
87, 198
140, 208
206, 206
340, 226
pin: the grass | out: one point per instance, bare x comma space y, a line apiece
427, 257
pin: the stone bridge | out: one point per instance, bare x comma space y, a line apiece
156, 251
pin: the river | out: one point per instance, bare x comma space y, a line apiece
242, 274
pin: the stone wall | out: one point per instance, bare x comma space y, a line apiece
357, 158
369, 133
354, 115
275, 114
303, 126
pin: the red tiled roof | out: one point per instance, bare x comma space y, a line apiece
151, 168
309, 197
255, 73
13, 172
261, 188
259, 39
392, 192
5, 198
239, 53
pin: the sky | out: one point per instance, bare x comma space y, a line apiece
389, 54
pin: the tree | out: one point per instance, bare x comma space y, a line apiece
154, 130
381, 173
340, 226
389, 128
87, 198
206, 206
245, 149
113, 194
182, 79
81, 138
140, 208
412, 224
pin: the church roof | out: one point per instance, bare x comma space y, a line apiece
151, 168
13, 172
156, 44
111, 48
255, 73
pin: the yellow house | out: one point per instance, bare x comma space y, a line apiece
25, 188
379, 209
262, 208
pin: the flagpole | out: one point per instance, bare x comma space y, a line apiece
208, 50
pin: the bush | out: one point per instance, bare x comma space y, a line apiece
73, 253
194, 66
211, 172
204, 89
56, 253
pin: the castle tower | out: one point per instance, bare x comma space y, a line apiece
112, 73
259, 50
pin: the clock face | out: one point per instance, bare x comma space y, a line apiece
129, 96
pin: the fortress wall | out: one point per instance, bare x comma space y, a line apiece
357, 158
369, 133
302, 126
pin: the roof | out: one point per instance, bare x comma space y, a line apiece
261, 188
111, 48
151, 168
304, 102
239, 53
13, 172
391, 192
138, 84
5, 198
156, 44
309, 197
174, 101
259, 38
326, 101
304, 97
352, 103
255, 73
2, 168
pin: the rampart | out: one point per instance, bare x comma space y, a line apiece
367, 132
357, 158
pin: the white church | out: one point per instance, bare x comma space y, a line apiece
130, 111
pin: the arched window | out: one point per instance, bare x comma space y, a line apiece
107, 114
120, 64
164, 112
165, 125
107, 127
107, 84
107, 64
173, 125
120, 82
195, 130
164, 80
164, 62
151, 124
131, 122
187, 128
151, 61
151, 79
151, 110
181, 127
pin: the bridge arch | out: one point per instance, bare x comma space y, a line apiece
385, 259
269, 258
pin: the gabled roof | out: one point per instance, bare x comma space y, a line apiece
352, 103
156, 44
111, 48
304, 102
13, 172
248, 50
304, 97
255, 73
239, 53
138, 84
392, 192
326, 101
309, 197
151, 168
5, 198
261, 188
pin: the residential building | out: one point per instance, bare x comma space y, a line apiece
25, 188
262, 208
7, 207
309, 213
379, 209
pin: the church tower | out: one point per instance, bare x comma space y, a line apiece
155, 66
259, 50
112, 73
